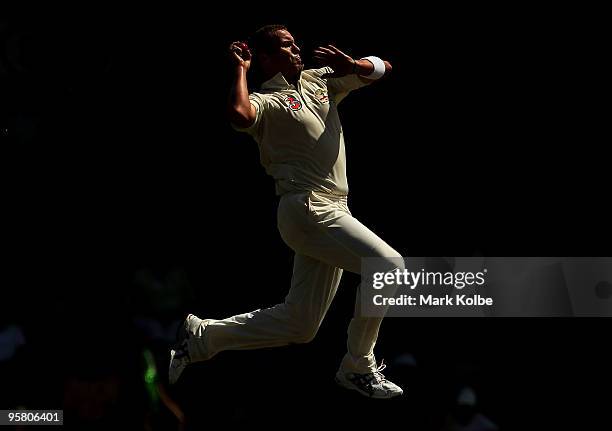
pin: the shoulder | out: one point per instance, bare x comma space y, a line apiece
259, 99
257, 95
316, 74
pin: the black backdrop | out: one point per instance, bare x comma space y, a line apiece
483, 141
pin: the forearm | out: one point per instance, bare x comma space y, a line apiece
363, 68
239, 107
239, 92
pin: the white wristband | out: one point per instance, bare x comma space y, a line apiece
379, 67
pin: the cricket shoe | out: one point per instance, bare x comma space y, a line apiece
179, 354
373, 384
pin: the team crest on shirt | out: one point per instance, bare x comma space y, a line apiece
293, 103
321, 96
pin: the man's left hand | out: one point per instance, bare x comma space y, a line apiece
336, 59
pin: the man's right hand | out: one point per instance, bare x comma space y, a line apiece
240, 54
240, 110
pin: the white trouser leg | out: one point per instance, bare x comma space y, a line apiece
322, 227
326, 239
313, 286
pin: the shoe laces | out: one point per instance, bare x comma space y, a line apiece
381, 367
377, 375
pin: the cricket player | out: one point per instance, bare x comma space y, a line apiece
294, 120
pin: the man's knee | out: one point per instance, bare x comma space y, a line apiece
305, 334
393, 262
301, 323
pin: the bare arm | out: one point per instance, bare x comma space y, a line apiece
365, 67
239, 109
344, 64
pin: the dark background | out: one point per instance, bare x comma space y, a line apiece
117, 158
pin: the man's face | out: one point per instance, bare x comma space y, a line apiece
286, 56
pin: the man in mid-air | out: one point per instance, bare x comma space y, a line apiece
294, 120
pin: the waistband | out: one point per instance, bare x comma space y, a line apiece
327, 195
330, 196
320, 198
284, 187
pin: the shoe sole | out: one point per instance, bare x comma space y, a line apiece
349, 387
171, 369
181, 335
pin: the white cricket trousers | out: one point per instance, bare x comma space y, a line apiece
326, 239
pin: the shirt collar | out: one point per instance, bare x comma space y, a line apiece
278, 82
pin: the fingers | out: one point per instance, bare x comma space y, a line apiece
235, 56
239, 47
332, 50
327, 53
323, 50
336, 50
323, 55
240, 51
235, 51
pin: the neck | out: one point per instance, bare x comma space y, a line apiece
293, 80
290, 79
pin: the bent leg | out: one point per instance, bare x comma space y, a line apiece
339, 239
296, 320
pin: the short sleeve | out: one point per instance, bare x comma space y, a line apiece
260, 104
339, 88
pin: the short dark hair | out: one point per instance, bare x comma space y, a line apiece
264, 40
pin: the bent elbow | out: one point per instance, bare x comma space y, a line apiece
241, 117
